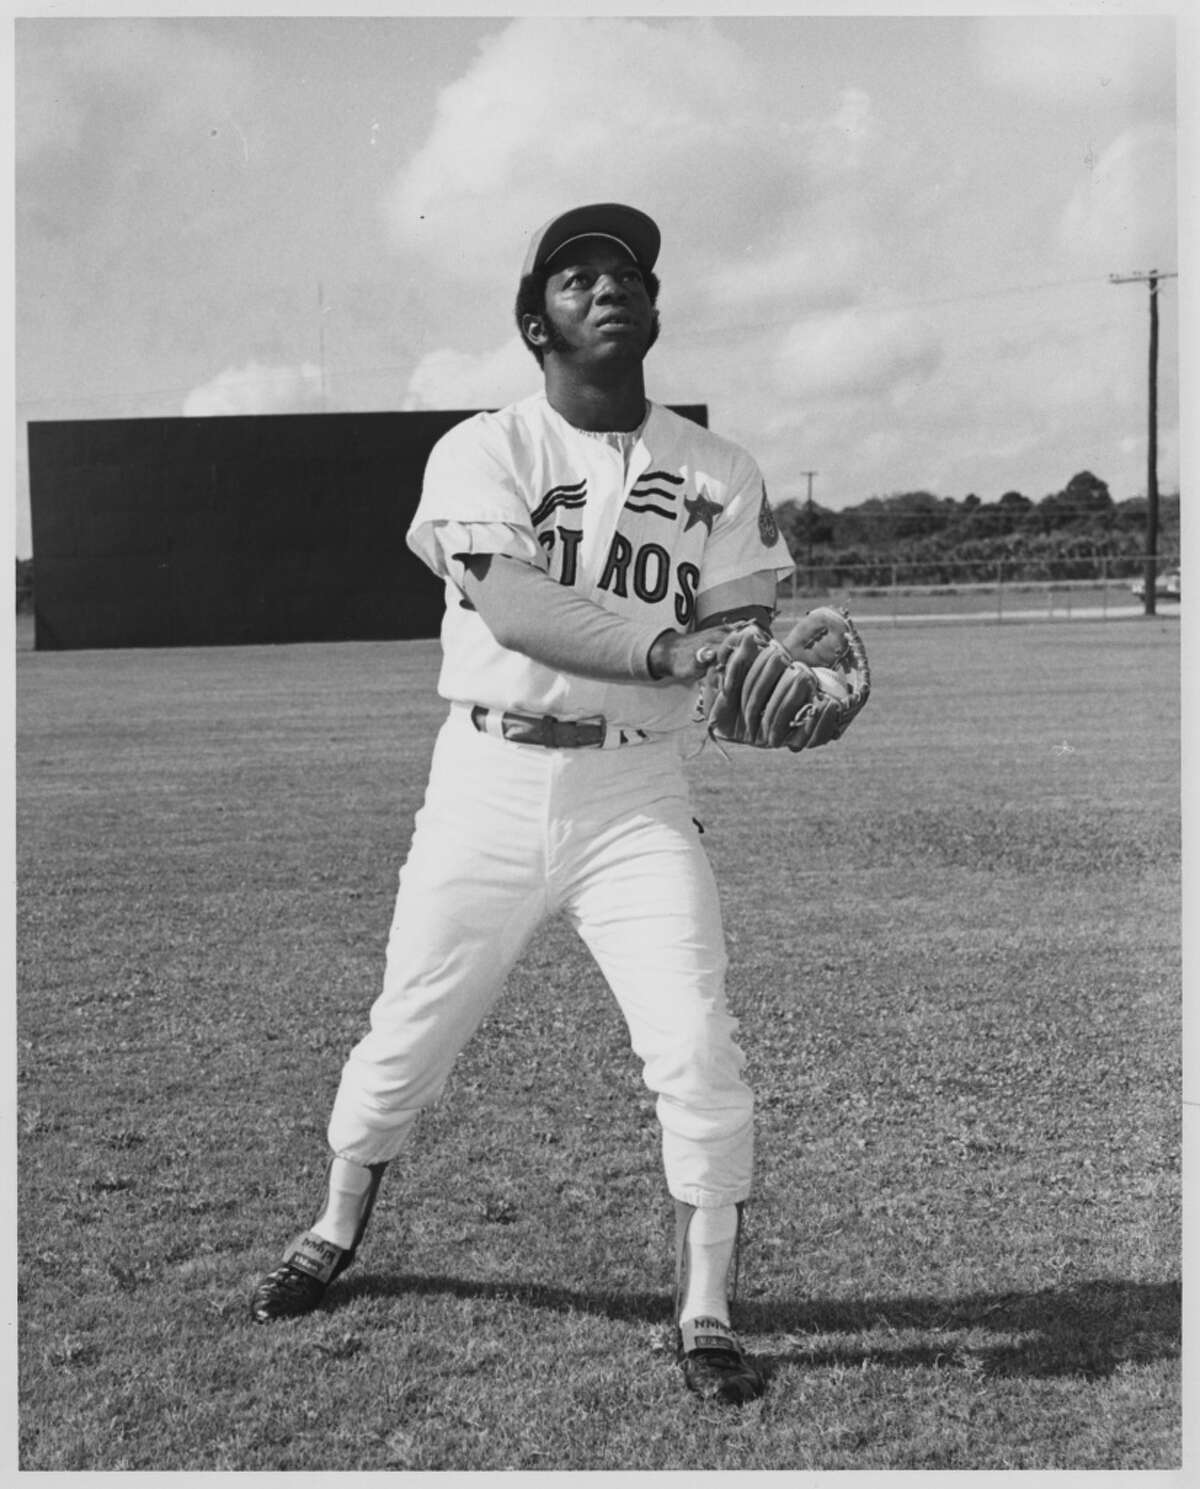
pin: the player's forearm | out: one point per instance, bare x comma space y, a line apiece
529, 612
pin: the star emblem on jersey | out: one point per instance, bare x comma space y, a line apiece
701, 510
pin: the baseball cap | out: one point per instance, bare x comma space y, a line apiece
633, 230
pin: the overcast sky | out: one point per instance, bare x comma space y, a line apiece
887, 241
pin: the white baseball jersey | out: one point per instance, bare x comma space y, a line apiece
642, 536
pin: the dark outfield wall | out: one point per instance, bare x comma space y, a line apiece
226, 531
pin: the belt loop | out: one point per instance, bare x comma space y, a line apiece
488, 721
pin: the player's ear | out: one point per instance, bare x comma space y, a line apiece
533, 328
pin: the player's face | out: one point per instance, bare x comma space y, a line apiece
597, 304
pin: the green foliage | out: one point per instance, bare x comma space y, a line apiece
955, 957
1066, 534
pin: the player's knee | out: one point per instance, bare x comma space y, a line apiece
702, 1066
708, 1112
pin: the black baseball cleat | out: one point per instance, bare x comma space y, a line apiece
714, 1364
297, 1286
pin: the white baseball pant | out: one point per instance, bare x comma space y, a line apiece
510, 834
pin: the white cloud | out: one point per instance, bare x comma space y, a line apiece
842, 142
1122, 216
453, 379
160, 76
800, 273
805, 223
768, 204
556, 111
257, 389
856, 353
1063, 58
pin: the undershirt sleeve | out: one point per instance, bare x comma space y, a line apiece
529, 612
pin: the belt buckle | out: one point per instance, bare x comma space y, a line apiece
566, 734
596, 721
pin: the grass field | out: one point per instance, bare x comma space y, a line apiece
955, 947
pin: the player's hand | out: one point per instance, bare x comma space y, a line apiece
678, 656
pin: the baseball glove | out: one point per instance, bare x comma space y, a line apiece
801, 692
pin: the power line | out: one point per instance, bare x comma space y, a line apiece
678, 337
889, 307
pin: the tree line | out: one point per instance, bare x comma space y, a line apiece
1076, 533
1079, 532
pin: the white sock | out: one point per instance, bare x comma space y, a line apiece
711, 1240
348, 1187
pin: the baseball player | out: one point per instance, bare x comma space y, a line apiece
597, 550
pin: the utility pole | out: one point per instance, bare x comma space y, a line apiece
1151, 577
810, 474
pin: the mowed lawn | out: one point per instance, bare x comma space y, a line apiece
955, 944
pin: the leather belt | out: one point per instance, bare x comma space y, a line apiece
555, 734
549, 732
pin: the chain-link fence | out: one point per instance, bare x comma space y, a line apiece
1056, 588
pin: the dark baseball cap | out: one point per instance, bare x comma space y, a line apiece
633, 230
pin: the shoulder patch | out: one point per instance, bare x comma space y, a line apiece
768, 528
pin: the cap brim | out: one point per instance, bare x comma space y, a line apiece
629, 227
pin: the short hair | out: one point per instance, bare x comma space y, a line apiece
531, 300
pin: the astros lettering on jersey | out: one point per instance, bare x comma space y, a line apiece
641, 536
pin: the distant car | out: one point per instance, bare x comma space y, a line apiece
1166, 586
